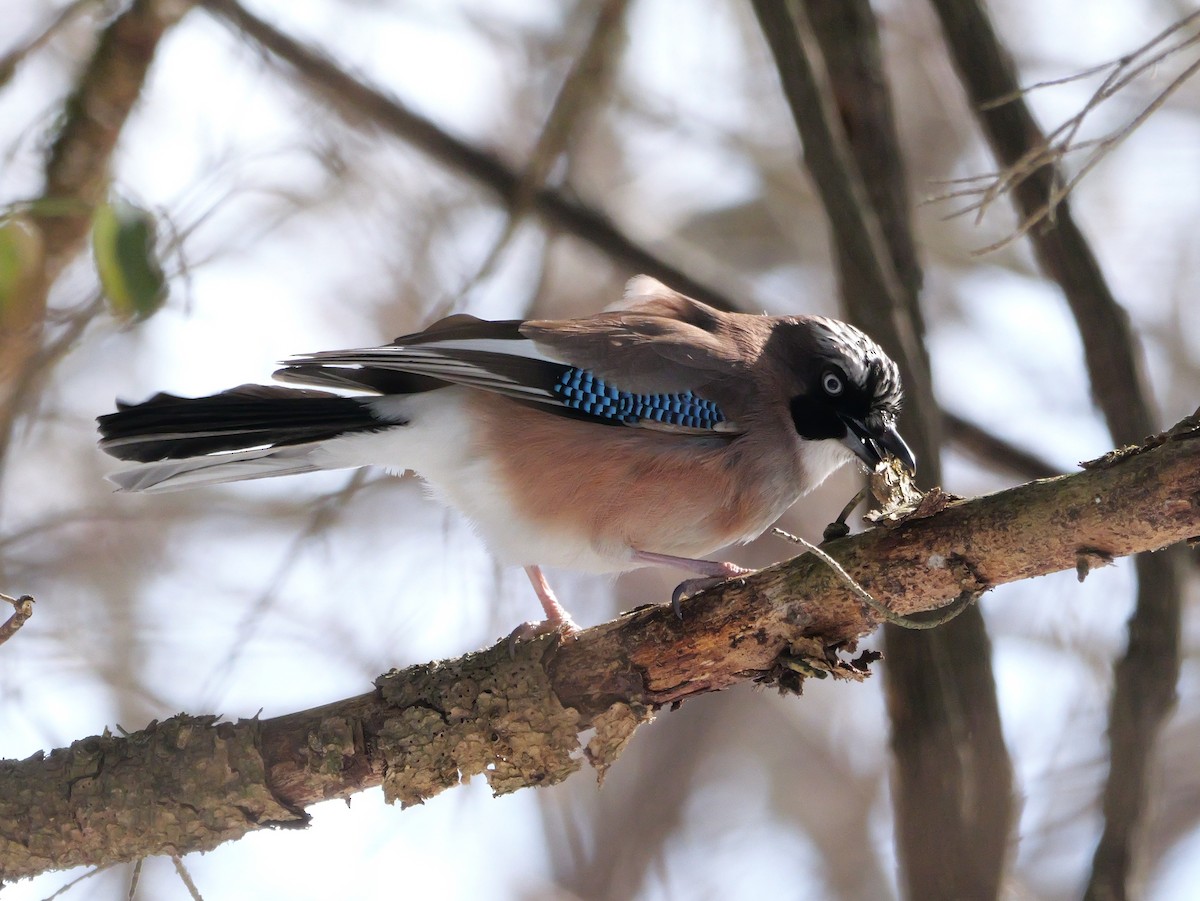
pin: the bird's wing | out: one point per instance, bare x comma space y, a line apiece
657, 363
656, 340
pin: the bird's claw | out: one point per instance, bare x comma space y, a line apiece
689, 587
677, 599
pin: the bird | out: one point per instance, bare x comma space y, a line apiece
655, 432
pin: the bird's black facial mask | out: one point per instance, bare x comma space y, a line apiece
832, 404
869, 436
841, 409
816, 419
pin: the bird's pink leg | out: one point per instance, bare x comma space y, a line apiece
711, 568
557, 619
712, 572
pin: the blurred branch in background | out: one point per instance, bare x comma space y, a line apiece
946, 733
357, 101
11, 60
994, 451
1145, 677
584, 89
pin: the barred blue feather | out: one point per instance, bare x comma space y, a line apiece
582, 390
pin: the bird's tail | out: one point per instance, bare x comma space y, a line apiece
251, 432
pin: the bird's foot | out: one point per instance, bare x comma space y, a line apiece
564, 627
838, 528
557, 619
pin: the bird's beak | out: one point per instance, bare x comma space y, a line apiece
869, 444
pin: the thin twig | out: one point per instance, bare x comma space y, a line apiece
1104, 147
22, 610
1118, 63
580, 90
957, 606
1061, 141
186, 878
14, 58
63, 889
134, 878
323, 511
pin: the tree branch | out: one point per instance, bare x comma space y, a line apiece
191, 783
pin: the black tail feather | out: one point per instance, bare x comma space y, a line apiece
167, 427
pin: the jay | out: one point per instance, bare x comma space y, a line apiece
657, 432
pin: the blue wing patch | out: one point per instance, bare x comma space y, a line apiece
583, 391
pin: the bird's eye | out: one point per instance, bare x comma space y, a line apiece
832, 383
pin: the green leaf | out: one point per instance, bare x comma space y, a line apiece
123, 243
22, 255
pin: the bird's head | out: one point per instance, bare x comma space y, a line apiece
848, 390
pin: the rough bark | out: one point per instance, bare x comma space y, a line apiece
190, 783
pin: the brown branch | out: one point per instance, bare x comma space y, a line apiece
946, 733
1144, 679
987, 72
828, 155
358, 102
582, 90
191, 783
